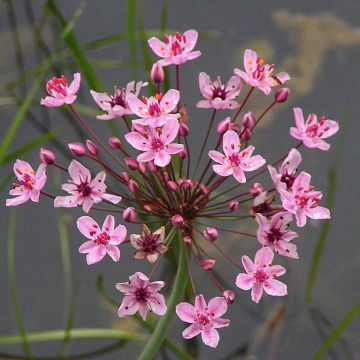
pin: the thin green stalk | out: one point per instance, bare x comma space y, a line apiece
176, 295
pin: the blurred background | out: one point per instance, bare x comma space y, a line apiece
46, 284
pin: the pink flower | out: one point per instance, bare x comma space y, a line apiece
102, 241
275, 234
285, 178
60, 92
261, 275
219, 96
31, 183
235, 162
141, 295
177, 49
313, 131
157, 146
116, 105
83, 190
204, 319
149, 244
303, 200
258, 75
155, 110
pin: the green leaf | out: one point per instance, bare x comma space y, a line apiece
326, 345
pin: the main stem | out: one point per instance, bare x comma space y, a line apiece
176, 295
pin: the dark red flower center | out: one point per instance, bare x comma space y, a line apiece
141, 295
157, 144
84, 189
274, 235
102, 239
234, 159
203, 319
260, 276
57, 85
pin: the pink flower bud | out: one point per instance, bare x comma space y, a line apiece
130, 214
93, 149
147, 208
282, 95
178, 221
125, 176
166, 176
223, 126
183, 154
133, 185
210, 234
77, 149
180, 181
256, 189
248, 120
157, 73
47, 156
208, 264
234, 205
131, 163
229, 296
204, 189
142, 167
183, 130
187, 240
151, 166
172, 185
114, 142
245, 134
139, 128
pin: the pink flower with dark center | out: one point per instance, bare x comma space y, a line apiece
102, 241
204, 319
157, 145
260, 75
60, 92
177, 49
219, 96
235, 162
149, 244
141, 295
155, 110
286, 176
303, 200
31, 183
83, 190
275, 234
261, 275
117, 105
313, 130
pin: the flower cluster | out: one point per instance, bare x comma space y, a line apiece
165, 195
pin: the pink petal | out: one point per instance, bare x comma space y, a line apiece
200, 303
118, 235
129, 306
210, 337
162, 158
169, 131
137, 106
283, 76
157, 304
297, 134
275, 287
78, 172
253, 163
87, 204
250, 60
233, 87
146, 156
244, 281
75, 84
299, 119
223, 170
318, 212
88, 227
125, 287
170, 100
203, 104
100, 98
96, 255
286, 249
217, 156
263, 257
239, 175
87, 247
137, 141
108, 224
191, 331
300, 218
248, 265
333, 128
143, 310
186, 312
34, 195
155, 286
217, 306
114, 199
302, 181
158, 47
275, 270
174, 148
256, 292
220, 323
231, 143
49, 101
205, 85
113, 251
191, 39
67, 201
19, 199
291, 163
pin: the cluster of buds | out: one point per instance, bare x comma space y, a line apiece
157, 180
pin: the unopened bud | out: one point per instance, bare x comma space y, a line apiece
133, 185
208, 264
77, 149
256, 189
142, 167
114, 142
229, 296
130, 214
234, 205
204, 189
223, 126
131, 163
183, 129
93, 149
157, 73
172, 185
47, 156
187, 240
125, 176
178, 221
248, 120
147, 208
245, 134
152, 166
182, 154
166, 176
282, 95
210, 234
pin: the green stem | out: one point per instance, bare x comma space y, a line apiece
176, 295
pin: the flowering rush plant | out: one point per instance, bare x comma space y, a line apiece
177, 202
